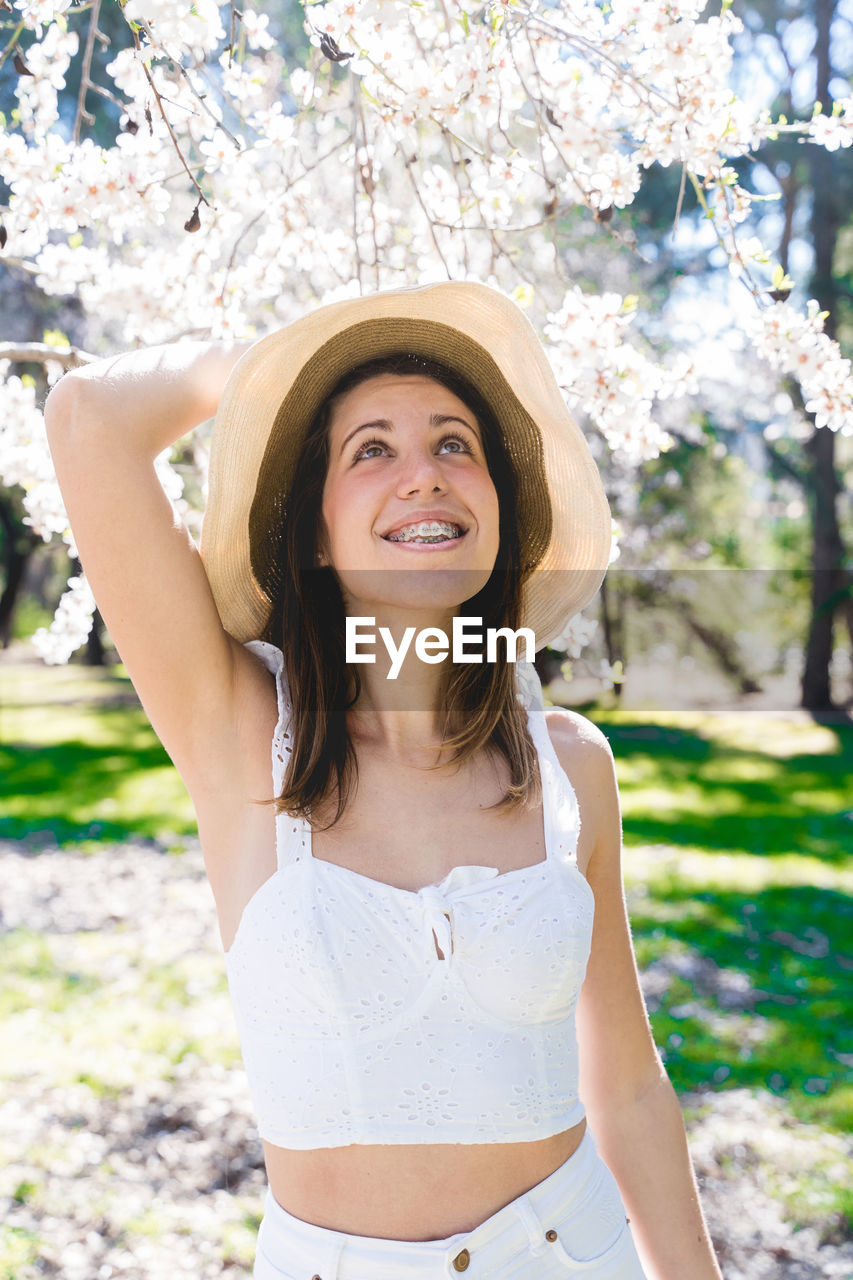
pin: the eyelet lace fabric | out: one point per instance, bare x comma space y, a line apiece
354, 1029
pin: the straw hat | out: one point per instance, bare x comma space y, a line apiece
277, 387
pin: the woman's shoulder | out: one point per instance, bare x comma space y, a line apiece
577, 738
572, 734
586, 758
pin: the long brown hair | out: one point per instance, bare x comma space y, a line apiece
307, 622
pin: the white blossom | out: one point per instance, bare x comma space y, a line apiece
25, 459
576, 636
836, 130
71, 624
256, 26
796, 344
445, 146
612, 382
41, 13
195, 26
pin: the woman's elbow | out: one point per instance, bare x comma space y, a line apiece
63, 411
79, 417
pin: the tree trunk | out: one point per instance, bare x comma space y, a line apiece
650, 591
95, 655
612, 617
827, 555
827, 550
17, 550
723, 649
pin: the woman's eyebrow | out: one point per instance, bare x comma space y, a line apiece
384, 424
439, 419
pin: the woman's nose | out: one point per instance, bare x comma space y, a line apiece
421, 473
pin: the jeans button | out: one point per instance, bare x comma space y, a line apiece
551, 1235
460, 1262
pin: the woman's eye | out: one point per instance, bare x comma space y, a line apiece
367, 449
363, 452
464, 447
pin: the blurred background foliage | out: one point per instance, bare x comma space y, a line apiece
738, 490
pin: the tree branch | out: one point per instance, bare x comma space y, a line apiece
161, 109
233, 256
417, 194
368, 180
41, 353
185, 76
790, 190
13, 41
784, 466
355, 177
110, 97
82, 115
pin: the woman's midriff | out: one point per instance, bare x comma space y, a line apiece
423, 1192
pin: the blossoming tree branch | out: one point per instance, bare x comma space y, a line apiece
404, 143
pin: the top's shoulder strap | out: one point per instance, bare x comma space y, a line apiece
560, 801
288, 841
273, 660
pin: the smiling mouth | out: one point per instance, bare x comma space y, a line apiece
427, 532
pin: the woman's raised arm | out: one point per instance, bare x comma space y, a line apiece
106, 424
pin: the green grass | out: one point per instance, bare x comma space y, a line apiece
79, 761
695, 777
738, 841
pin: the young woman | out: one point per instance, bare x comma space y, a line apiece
416, 866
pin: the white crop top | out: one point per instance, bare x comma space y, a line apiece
353, 1030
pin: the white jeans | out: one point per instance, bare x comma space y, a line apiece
572, 1224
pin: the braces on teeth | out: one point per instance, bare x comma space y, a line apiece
427, 531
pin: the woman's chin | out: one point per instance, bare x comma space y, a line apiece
418, 589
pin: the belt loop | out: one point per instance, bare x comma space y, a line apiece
535, 1230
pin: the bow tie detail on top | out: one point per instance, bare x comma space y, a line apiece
437, 909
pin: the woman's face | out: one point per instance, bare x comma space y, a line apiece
409, 508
